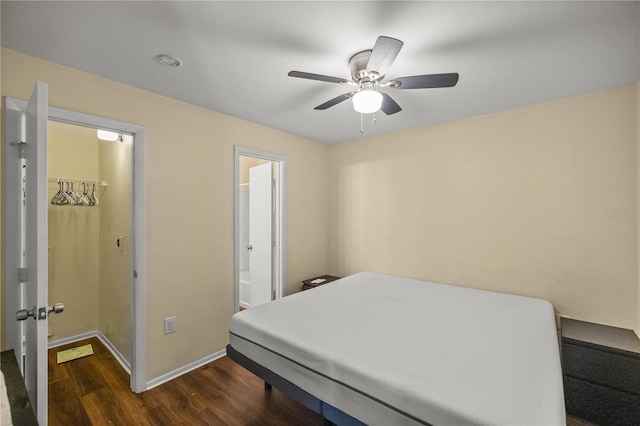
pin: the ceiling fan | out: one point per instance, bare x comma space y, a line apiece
368, 69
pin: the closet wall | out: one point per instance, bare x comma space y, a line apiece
74, 234
89, 246
114, 290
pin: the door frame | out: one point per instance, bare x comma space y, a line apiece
280, 231
13, 175
138, 227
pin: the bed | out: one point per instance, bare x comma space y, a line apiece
378, 349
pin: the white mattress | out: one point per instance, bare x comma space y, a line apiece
389, 350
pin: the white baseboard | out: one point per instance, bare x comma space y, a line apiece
115, 352
72, 339
185, 369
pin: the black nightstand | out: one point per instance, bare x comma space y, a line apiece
601, 368
318, 281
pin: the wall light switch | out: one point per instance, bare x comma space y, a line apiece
169, 325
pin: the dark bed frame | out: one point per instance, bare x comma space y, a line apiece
331, 415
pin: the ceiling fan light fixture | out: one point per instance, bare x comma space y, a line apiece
367, 101
368, 69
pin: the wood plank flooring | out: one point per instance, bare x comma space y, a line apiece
95, 391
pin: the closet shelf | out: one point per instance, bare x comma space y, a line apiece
87, 181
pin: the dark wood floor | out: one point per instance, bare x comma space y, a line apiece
95, 391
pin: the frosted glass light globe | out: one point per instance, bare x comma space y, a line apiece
367, 101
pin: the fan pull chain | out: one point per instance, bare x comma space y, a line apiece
374, 119
361, 123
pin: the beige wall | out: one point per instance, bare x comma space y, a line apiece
74, 234
537, 201
114, 301
189, 183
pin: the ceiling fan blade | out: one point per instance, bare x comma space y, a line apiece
383, 54
319, 77
425, 81
335, 100
389, 106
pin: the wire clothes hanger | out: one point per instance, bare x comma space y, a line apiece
75, 193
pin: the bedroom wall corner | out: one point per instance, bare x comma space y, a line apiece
538, 201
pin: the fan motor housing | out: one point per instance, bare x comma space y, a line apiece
358, 65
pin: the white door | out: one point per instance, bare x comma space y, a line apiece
261, 234
30, 303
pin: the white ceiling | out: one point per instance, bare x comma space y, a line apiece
236, 55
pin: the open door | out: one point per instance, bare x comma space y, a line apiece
28, 267
273, 253
261, 234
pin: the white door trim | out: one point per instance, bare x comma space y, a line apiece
281, 229
139, 229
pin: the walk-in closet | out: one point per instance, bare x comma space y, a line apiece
89, 228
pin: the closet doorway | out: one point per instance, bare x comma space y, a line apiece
89, 236
260, 227
122, 205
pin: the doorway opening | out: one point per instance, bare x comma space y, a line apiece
260, 227
135, 275
89, 236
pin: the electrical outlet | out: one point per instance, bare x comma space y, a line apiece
169, 325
